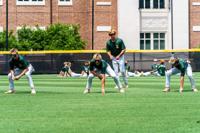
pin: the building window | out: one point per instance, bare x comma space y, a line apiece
144, 4
1, 29
158, 4
158, 41
65, 2
30, 2
149, 41
145, 41
151, 4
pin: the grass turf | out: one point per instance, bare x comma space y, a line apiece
61, 107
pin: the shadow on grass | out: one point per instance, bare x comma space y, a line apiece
105, 92
183, 91
38, 92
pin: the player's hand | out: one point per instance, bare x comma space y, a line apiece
103, 92
117, 58
111, 57
16, 78
100, 77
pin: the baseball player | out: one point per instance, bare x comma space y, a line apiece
99, 68
115, 49
183, 67
19, 67
85, 69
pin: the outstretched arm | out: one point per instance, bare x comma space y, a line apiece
181, 82
103, 84
21, 74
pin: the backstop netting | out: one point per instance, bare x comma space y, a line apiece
51, 62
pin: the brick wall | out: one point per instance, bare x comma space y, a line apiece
194, 21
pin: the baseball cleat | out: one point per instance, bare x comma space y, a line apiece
195, 90
122, 91
33, 91
86, 91
166, 90
10, 92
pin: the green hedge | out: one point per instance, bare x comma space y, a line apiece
55, 37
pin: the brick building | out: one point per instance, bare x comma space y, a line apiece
143, 24
45, 12
194, 23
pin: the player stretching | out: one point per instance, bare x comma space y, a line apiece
116, 49
18, 68
179, 66
98, 68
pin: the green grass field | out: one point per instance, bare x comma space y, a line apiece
61, 107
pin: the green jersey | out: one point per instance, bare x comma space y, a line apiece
161, 69
98, 66
154, 66
85, 69
115, 47
127, 67
20, 63
181, 65
65, 69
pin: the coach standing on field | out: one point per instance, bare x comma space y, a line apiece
116, 49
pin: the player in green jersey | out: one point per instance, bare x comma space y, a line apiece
183, 67
99, 68
19, 67
115, 49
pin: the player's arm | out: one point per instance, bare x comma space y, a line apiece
110, 55
21, 74
123, 51
65, 74
181, 82
96, 74
103, 79
182, 79
109, 51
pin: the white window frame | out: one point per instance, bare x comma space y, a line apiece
65, 3
1, 2
146, 39
1, 29
159, 40
30, 2
32, 27
152, 40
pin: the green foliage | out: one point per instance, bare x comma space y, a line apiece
55, 37
11, 39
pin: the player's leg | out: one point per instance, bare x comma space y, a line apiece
146, 73
168, 75
89, 83
115, 67
76, 74
11, 81
30, 79
131, 74
123, 71
189, 74
110, 71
